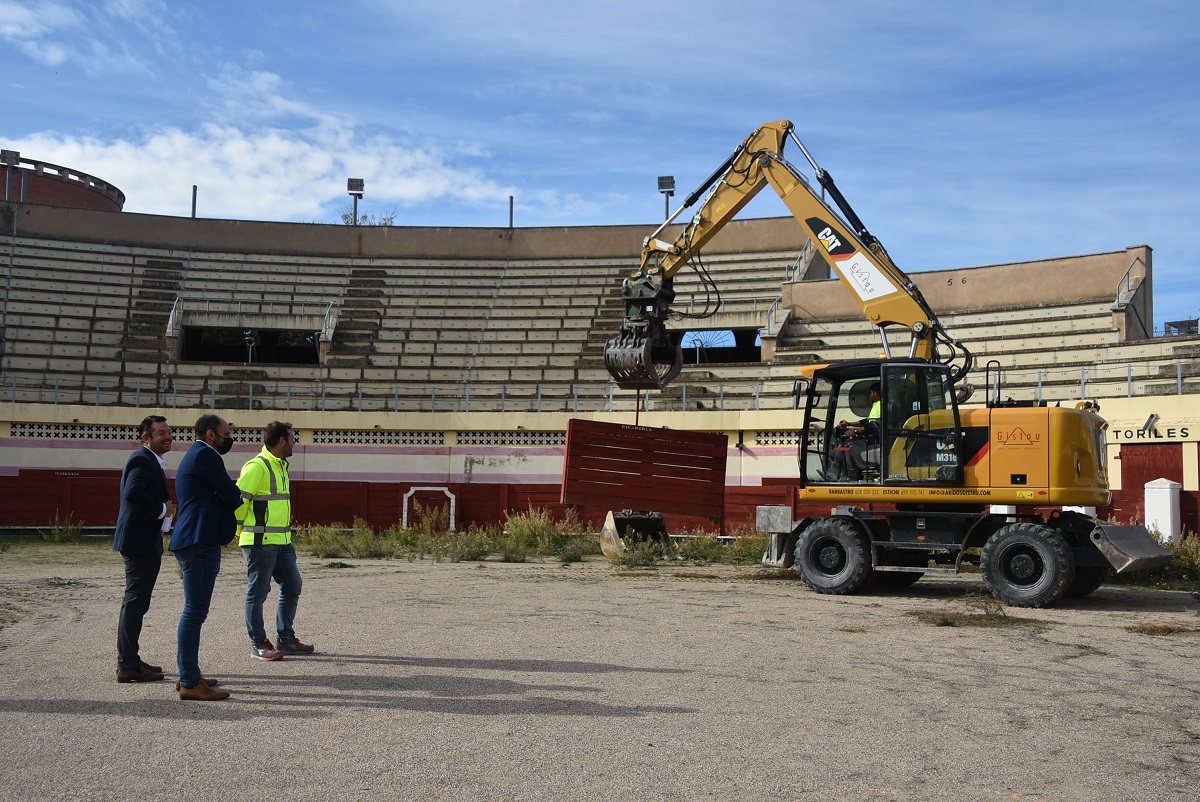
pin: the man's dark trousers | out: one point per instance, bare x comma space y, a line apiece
141, 572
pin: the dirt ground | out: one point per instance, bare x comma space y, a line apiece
539, 681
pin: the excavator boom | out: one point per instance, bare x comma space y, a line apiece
644, 356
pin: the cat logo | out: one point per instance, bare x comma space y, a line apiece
834, 242
829, 238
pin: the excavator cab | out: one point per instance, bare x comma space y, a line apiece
911, 436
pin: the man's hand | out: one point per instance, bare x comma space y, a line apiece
171, 508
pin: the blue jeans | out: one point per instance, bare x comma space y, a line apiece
264, 563
199, 565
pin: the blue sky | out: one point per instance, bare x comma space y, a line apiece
963, 133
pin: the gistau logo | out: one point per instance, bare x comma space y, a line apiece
1017, 437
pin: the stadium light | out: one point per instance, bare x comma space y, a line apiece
355, 187
666, 185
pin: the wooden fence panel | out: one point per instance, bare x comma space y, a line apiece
617, 466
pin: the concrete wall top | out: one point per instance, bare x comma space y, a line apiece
310, 239
1070, 279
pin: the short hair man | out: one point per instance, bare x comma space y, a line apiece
864, 433
146, 511
208, 499
266, 541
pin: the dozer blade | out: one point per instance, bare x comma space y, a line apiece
636, 363
636, 526
1129, 548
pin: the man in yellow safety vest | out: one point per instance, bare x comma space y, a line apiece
265, 529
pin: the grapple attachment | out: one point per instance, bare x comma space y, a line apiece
1129, 548
642, 357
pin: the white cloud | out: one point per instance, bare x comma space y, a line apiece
263, 174
29, 28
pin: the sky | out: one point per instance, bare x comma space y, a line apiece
963, 134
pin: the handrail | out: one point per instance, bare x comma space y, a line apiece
1128, 293
803, 258
1065, 383
1127, 281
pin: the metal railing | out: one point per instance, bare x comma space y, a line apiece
771, 391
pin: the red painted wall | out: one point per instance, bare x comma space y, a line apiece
52, 190
33, 497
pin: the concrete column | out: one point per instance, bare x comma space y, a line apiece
1162, 509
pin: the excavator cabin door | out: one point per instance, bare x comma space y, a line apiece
889, 422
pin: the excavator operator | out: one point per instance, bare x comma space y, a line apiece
861, 436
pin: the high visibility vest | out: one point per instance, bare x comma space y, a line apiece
265, 517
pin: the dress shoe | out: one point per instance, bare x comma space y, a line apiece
209, 681
137, 675
152, 669
202, 693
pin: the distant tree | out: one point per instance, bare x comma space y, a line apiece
388, 219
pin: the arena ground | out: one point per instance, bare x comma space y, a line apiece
540, 681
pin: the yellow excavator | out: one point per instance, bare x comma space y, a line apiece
916, 484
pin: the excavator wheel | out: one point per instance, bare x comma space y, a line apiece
1027, 565
1087, 579
833, 556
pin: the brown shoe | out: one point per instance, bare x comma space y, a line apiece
212, 683
137, 675
152, 669
201, 693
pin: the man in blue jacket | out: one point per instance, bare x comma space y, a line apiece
207, 501
146, 510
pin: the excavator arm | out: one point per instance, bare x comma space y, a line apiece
643, 355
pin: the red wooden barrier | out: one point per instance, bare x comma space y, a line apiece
616, 467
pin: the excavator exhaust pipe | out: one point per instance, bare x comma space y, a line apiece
630, 525
1129, 548
642, 357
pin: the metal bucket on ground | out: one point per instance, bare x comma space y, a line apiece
627, 524
1129, 548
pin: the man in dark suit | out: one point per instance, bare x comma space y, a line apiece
146, 510
208, 498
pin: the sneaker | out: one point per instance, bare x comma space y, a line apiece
294, 646
263, 650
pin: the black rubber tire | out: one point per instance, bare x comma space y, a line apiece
1087, 578
832, 556
1027, 565
895, 579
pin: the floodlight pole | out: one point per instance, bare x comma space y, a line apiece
354, 186
666, 185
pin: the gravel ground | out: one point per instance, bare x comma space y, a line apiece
537, 681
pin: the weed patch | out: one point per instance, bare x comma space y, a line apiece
1181, 572
1161, 629
983, 611
62, 529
